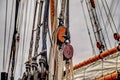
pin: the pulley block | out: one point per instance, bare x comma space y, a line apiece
92, 3
116, 36
68, 51
61, 34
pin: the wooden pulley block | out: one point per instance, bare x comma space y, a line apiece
61, 34
68, 51
116, 36
92, 3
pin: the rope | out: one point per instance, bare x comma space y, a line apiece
4, 54
63, 8
111, 16
119, 24
38, 28
100, 28
91, 19
94, 53
9, 36
44, 32
32, 35
25, 24
45, 25
67, 21
107, 17
104, 24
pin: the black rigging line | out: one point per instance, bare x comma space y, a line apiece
13, 46
5, 35
101, 29
45, 29
91, 19
119, 24
32, 34
111, 16
94, 53
9, 33
111, 9
104, 24
115, 9
67, 21
107, 16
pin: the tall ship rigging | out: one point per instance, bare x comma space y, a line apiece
43, 41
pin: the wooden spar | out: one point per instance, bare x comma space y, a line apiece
52, 14
97, 57
112, 76
53, 48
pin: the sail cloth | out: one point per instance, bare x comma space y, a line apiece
104, 66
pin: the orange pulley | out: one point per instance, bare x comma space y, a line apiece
68, 51
116, 36
61, 34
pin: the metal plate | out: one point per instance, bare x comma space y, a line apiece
68, 51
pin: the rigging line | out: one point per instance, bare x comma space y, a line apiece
104, 24
44, 31
67, 21
115, 9
96, 25
118, 24
94, 53
111, 16
100, 28
45, 25
11, 53
102, 66
32, 34
13, 46
4, 54
10, 32
38, 28
50, 37
107, 16
117, 61
111, 5
112, 11
29, 19
25, 25
91, 20
18, 28
9, 61
63, 8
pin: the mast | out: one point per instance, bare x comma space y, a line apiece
53, 48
